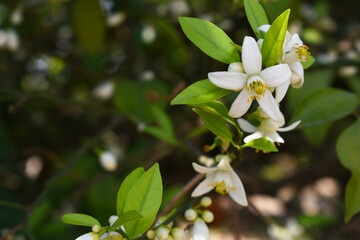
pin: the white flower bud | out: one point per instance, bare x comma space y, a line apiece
207, 216
108, 161
13, 41
205, 202
16, 16
96, 228
178, 234
190, 214
113, 236
112, 219
236, 67
115, 19
162, 233
88, 236
151, 234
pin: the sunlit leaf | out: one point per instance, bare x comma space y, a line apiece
125, 218
80, 219
308, 64
256, 16
261, 144
352, 197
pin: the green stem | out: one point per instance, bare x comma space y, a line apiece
13, 205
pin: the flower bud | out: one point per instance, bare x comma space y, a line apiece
178, 234
112, 219
205, 202
190, 214
236, 67
207, 216
162, 233
108, 161
96, 228
151, 234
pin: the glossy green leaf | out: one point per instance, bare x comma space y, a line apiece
324, 106
125, 187
256, 16
210, 39
261, 144
308, 64
352, 197
354, 84
125, 218
318, 220
219, 109
200, 92
144, 197
80, 219
89, 24
164, 130
274, 40
348, 147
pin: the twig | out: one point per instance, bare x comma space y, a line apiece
12, 231
13, 205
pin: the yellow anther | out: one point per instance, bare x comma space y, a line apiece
220, 187
302, 52
259, 90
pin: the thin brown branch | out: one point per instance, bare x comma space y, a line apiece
13, 231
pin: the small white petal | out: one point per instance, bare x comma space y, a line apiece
86, 236
298, 69
276, 75
246, 126
200, 231
251, 56
204, 187
294, 41
201, 169
240, 105
236, 67
270, 106
238, 195
260, 43
264, 28
228, 80
255, 135
225, 165
274, 137
281, 91
290, 127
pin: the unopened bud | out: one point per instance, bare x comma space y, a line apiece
178, 234
96, 228
205, 202
162, 233
236, 67
190, 214
151, 234
207, 216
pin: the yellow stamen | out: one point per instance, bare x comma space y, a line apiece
302, 52
220, 187
259, 88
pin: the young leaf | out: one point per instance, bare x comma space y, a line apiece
210, 39
274, 40
125, 187
256, 16
215, 124
348, 147
261, 144
308, 64
144, 197
324, 106
89, 24
352, 197
125, 218
80, 219
200, 92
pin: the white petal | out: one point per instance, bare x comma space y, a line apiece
290, 127
204, 187
270, 106
104, 236
200, 231
264, 28
294, 42
298, 69
236, 67
281, 91
87, 236
260, 43
255, 135
240, 105
201, 169
276, 75
224, 165
238, 194
274, 137
228, 80
246, 126
251, 56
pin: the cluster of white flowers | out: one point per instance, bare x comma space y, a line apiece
255, 83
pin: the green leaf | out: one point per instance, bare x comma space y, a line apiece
40, 215
200, 92
308, 64
318, 220
324, 106
80, 219
352, 197
89, 24
125, 218
274, 40
316, 134
144, 197
164, 130
261, 144
125, 187
210, 39
348, 147
256, 16
354, 84
215, 124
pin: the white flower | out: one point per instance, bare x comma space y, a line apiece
267, 129
88, 236
254, 83
108, 161
293, 53
223, 179
197, 231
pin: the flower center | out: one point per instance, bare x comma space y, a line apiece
256, 88
220, 187
302, 52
